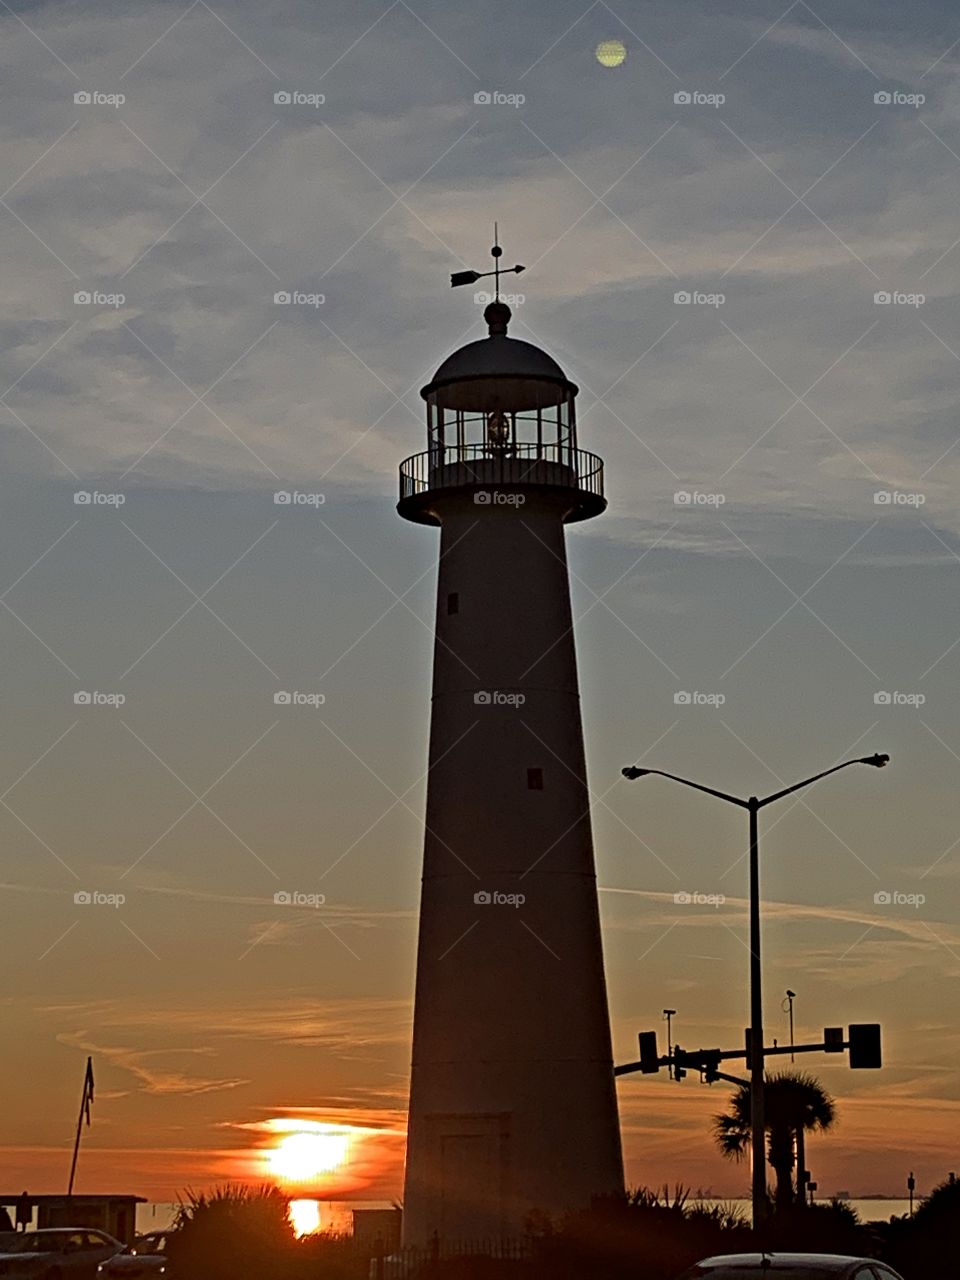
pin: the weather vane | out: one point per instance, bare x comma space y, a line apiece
471, 277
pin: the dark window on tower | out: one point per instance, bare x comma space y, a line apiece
453, 602
535, 779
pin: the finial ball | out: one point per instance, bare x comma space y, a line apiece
497, 316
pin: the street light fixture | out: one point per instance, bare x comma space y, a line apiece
753, 805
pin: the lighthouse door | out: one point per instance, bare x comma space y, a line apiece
474, 1166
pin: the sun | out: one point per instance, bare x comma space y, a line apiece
611, 53
305, 1156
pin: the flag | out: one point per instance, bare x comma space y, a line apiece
88, 1090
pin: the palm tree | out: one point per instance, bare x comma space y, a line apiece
795, 1103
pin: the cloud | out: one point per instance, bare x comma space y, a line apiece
152, 1079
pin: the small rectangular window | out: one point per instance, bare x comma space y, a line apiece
453, 602
535, 779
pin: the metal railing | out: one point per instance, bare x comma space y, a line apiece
483, 464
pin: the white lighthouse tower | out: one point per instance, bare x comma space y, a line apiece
512, 1102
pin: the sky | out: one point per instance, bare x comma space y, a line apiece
742, 244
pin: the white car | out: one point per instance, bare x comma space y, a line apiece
58, 1253
789, 1266
145, 1257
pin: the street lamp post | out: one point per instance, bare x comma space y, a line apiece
753, 805
787, 1007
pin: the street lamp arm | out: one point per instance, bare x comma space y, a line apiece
632, 771
878, 761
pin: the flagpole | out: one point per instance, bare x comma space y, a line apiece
85, 1101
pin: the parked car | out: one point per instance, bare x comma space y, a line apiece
789, 1266
58, 1253
147, 1256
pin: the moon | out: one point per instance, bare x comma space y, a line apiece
611, 53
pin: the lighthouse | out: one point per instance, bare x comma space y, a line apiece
512, 1101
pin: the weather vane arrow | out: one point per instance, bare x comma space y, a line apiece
471, 277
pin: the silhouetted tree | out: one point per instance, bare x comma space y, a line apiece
795, 1103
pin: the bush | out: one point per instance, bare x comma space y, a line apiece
233, 1231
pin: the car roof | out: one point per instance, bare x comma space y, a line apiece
827, 1260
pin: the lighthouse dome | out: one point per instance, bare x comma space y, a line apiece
499, 371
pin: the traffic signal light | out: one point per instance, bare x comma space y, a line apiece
678, 1056
649, 1055
864, 1041
833, 1039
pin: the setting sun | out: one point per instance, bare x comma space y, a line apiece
306, 1155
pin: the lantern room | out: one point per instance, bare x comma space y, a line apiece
501, 412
